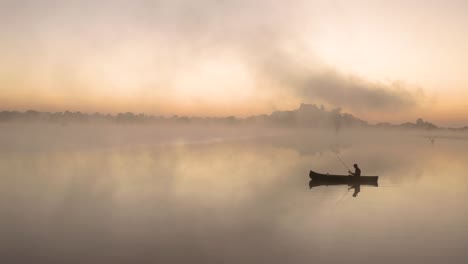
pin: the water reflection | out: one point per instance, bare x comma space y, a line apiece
241, 201
356, 187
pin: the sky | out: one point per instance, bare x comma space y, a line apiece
380, 60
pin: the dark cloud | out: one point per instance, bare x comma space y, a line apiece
359, 94
317, 82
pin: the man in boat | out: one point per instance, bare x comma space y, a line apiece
357, 171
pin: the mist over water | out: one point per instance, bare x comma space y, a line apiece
181, 131
87, 193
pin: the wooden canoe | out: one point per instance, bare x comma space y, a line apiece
330, 179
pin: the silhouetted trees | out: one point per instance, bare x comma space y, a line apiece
307, 115
310, 115
420, 124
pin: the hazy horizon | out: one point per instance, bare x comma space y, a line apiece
300, 116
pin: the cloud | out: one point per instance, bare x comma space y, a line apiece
268, 36
314, 81
359, 94
93, 47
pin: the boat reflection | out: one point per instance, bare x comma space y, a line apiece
357, 189
356, 186
313, 183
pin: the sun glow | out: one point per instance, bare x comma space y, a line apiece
213, 81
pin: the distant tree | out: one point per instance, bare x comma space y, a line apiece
336, 117
420, 122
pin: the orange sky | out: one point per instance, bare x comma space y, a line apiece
381, 60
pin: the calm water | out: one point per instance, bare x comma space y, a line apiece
67, 199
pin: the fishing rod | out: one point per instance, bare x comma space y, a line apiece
342, 162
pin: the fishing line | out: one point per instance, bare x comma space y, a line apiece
342, 162
342, 197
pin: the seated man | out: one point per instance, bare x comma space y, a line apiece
357, 171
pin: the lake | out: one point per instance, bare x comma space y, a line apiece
84, 194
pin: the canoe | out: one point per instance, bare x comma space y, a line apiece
330, 179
